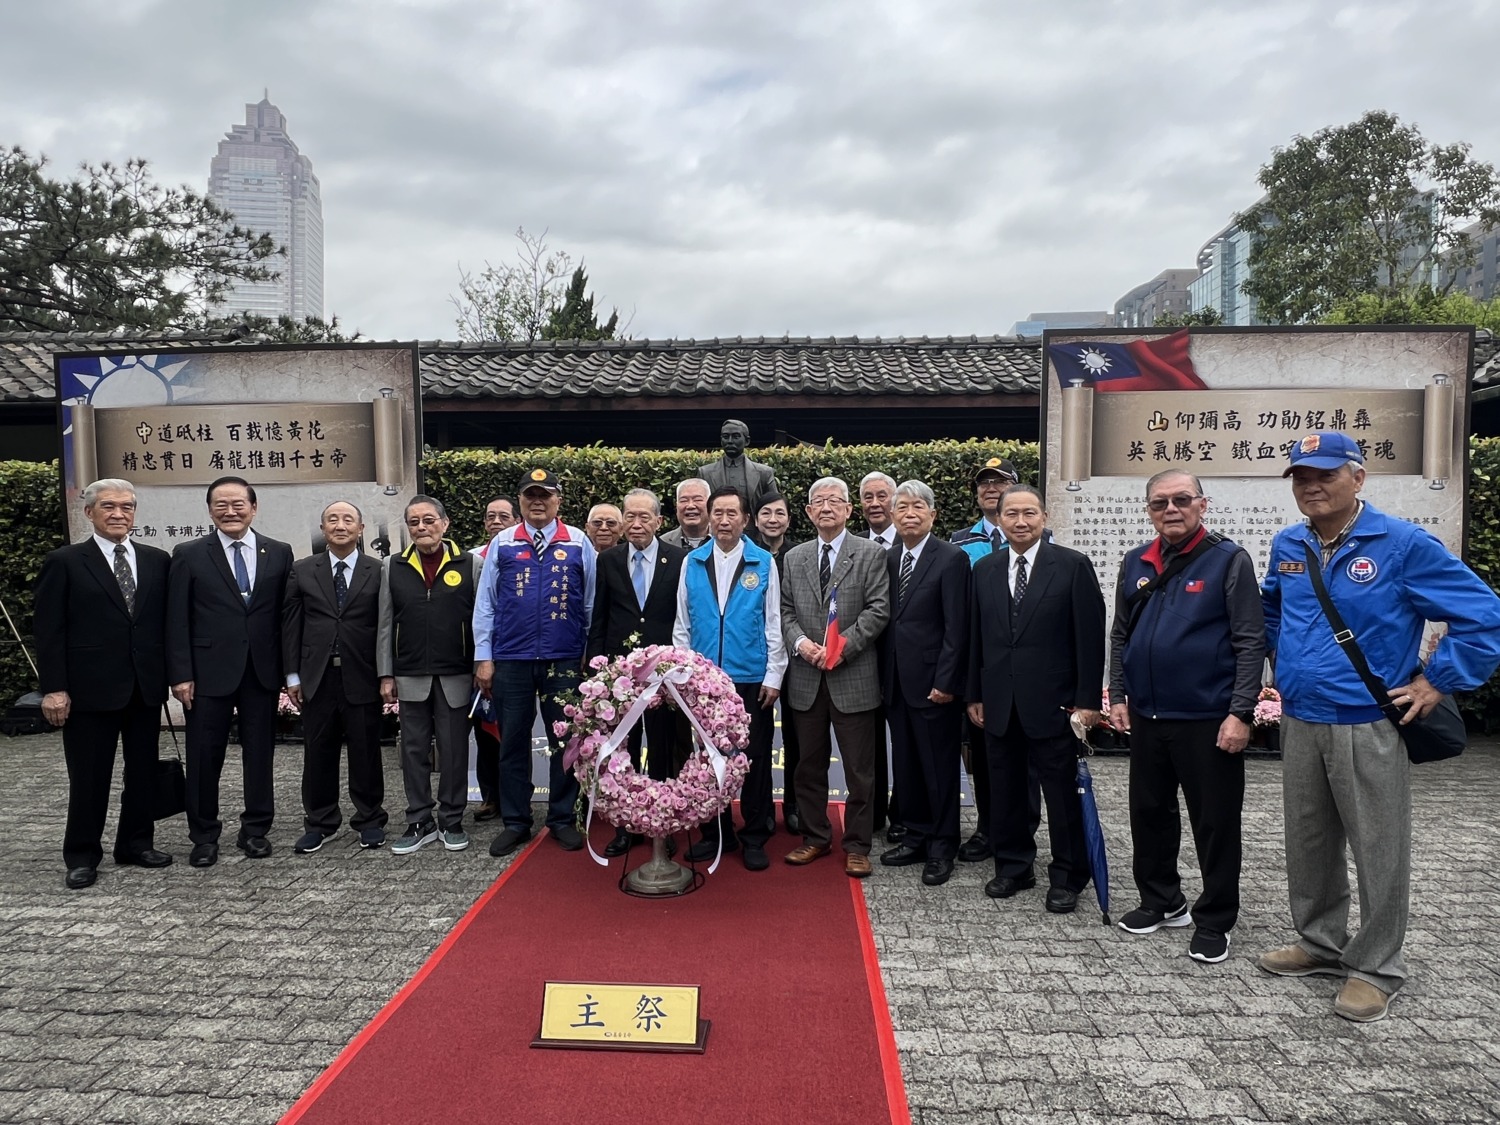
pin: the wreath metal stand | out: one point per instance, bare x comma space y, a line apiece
660, 876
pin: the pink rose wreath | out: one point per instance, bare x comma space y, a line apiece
611, 701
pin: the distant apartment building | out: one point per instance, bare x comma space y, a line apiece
1481, 280
1148, 302
1037, 323
268, 184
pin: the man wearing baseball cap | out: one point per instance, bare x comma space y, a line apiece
531, 627
1344, 774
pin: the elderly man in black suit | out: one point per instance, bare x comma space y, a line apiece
224, 600
924, 671
328, 631
101, 623
1036, 652
635, 602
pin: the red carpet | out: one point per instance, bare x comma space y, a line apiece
789, 979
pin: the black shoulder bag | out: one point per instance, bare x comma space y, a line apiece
1437, 735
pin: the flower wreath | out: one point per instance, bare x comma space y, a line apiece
609, 704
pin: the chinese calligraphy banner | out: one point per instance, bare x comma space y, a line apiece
304, 425
1236, 400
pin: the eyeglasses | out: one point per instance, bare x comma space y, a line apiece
424, 521
1181, 502
827, 502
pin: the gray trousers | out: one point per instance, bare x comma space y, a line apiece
1347, 787
421, 720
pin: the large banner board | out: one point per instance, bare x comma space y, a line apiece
1226, 404
305, 425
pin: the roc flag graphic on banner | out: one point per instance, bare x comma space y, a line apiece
833, 640
1141, 365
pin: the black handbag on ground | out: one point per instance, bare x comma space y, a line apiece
169, 795
1436, 735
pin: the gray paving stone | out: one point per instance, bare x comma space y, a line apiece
219, 995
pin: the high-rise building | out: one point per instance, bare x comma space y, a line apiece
1037, 323
262, 178
1148, 302
1224, 263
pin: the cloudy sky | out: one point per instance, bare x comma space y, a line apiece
723, 168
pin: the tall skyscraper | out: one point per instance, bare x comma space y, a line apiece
262, 178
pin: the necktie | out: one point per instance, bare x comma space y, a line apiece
638, 577
997, 540
904, 583
1020, 590
241, 571
340, 584
825, 567
539, 541
124, 577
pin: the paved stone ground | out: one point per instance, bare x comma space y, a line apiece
220, 995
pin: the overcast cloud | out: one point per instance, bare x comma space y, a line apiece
823, 167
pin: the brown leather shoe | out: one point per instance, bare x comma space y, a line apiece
800, 857
857, 866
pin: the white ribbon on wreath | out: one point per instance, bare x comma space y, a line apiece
659, 679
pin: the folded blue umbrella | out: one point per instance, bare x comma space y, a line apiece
1093, 835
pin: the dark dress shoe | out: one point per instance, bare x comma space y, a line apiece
620, 844
903, 856
937, 872
204, 855
486, 811
976, 849
895, 834
1060, 900
508, 841
791, 818
568, 838
756, 858
706, 849
1003, 886
146, 857
254, 847
80, 877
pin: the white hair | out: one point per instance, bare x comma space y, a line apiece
917, 489
692, 480
828, 482
108, 484
882, 477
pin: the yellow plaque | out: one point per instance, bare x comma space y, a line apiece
636, 1017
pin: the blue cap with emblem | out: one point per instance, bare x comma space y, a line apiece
1326, 449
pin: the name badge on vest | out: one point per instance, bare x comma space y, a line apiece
1291, 568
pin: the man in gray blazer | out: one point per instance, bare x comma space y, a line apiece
424, 655
691, 531
835, 681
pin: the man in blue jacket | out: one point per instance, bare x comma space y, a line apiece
1344, 770
531, 627
729, 610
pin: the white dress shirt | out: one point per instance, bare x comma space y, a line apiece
724, 568
886, 538
108, 547
249, 552
1030, 557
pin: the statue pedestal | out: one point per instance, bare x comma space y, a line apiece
659, 875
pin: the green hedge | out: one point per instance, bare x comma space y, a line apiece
31, 515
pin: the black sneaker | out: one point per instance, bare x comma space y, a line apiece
508, 841
1143, 921
416, 836
310, 841
1209, 946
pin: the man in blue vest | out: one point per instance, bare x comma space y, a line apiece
729, 610
1187, 649
531, 627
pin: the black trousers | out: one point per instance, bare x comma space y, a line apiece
791, 754
660, 727
1165, 754
757, 806
89, 739
329, 720
486, 763
1055, 763
924, 742
979, 777
207, 743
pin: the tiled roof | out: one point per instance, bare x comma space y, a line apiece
963, 365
